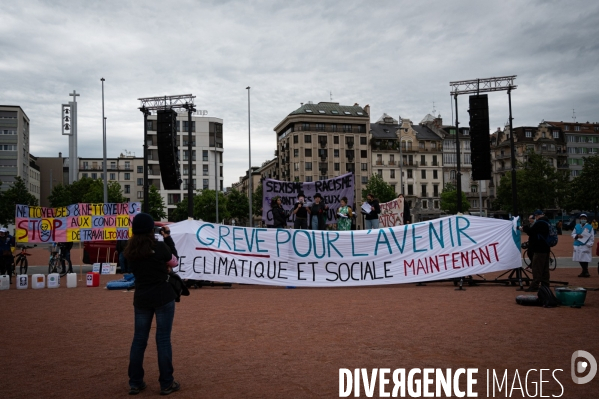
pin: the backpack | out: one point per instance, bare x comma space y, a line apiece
551, 239
546, 297
178, 286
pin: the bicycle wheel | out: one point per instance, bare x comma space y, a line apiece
65, 265
51, 266
526, 259
22, 263
552, 261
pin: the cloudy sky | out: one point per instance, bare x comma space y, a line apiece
396, 56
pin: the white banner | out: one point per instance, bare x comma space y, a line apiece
439, 249
332, 190
392, 213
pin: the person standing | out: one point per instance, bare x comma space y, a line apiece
153, 296
120, 249
595, 225
318, 212
406, 217
584, 238
345, 216
6, 260
558, 227
372, 217
537, 243
300, 210
278, 213
65, 250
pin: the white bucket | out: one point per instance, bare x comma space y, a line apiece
22, 281
53, 280
4, 282
38, 281
72, 280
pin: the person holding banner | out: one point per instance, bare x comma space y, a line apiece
345, 216
300, 210
153, 296
404, 209
318, 211
278, 213
372, 215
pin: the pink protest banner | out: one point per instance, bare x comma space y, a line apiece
75, 223
392, 213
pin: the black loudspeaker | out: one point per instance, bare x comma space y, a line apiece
168, 152
480, 139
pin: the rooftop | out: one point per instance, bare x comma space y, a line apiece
330, 109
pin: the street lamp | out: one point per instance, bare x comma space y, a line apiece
104, 143
250, 160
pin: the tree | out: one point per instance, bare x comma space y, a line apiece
79, 188
180, 212
381, 190
584, 193
257, 201
449, 199
60, 196
536, 185
17, 194
204, 206
156, 206
95, 193
238, 206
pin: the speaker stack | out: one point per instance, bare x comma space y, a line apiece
168, 152
480, 140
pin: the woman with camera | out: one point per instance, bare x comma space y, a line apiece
148, 259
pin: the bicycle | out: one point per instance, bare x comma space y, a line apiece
21, 259
56, 263
528, 261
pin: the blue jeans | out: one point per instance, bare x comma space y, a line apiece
371, 224
164, 324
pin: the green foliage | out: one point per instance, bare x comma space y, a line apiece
449, 199
379, 188
585, 187
538, 184
180, 212
204, 206
85, 190
257, 200
60, 196
156, 206
79, 188
95, 193
17, 194
238, 206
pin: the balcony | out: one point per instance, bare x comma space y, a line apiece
424, 194
323, 143
563, 166
423, 163
410, 163
380, 163
392, 163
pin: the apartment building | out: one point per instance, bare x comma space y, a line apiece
14, 145
582, 140
325, 140
34, 181
53, 171
207, 157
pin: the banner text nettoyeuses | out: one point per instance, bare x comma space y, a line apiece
73, 223
444, 248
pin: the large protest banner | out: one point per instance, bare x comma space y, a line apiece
74, 223
444, 248
332, 190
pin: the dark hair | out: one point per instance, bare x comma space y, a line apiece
344, 199
273, 202
140, 246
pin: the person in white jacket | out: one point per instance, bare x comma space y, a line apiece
584, 238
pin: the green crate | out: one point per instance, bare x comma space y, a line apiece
571, 296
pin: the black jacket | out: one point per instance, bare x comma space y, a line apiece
537, 233
374, 213
320, 211
279, 217
151, 287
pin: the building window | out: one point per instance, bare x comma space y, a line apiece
127, 165
423, 190
452, 174
392, 173
295, 139
205, 184
127, 176
364, 179
435, 174
363, 166
308, 178
336, 167
308, 165
307, 138
335, 138
320, 127
127, 189
363, 140
436, 204
140, 169
140, 181
556, 134
577, 128
140, 195
334, 129
84, 175
421, 145
424, 204
296, 166
410, 174
336, 153
474, 189
379, 172
363, 154
566, 127
410, 189
112, 176
204, 170
205, 155
423, 174
186, 126
94, 176
435, 190
308, 152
